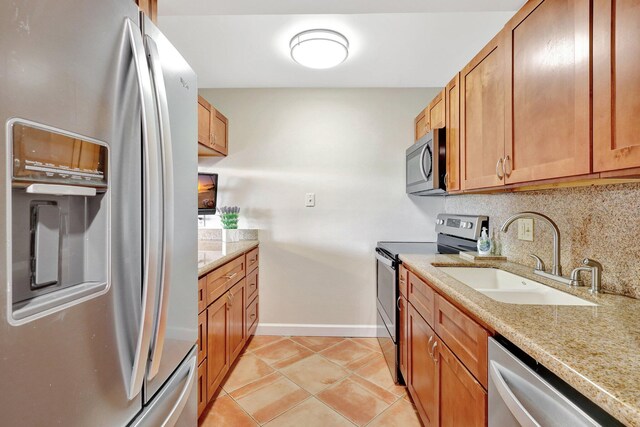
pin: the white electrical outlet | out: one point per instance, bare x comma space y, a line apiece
310, 200
525, 229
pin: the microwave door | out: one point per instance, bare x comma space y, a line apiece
419, 169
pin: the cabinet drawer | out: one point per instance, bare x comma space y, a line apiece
252, 259
422, 297
223, 278
252, 285
202, 336
464, 337
403, 278
202, 387
202, 294
252, 317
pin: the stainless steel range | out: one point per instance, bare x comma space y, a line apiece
456, 233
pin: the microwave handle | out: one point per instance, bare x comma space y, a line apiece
422, 154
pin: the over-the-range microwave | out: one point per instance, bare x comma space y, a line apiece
426, 165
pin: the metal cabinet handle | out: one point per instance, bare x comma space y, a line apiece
252, 315
433, 351
499, 167
507, 160
231, 276
152, 209
446, 179
429, 344
398, 303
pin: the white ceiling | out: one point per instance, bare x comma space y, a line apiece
404, 43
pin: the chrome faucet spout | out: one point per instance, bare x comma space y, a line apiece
556, 269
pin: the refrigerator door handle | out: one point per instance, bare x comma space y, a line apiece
152, 214
162, 106
176, 411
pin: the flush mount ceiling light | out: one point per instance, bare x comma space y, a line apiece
319, 48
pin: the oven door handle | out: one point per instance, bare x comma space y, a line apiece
386, 261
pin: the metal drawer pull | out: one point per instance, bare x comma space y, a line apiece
253, 315
231, 276
500, 166
398, 303
433, 351
428, 344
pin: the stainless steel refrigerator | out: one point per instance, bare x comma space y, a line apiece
98, 218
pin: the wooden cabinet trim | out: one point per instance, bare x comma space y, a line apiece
252, 316
202, 336
201, 384
403, 279
452, 120
403, 347
252, 285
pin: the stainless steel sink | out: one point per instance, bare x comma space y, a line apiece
510, 288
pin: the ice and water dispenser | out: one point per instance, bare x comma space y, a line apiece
60, 219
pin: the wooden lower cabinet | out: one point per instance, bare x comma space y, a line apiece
444, 389
226, 324
422, 382
218, 342
462, 400
237, 337
403, 324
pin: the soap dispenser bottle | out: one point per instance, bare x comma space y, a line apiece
484, 243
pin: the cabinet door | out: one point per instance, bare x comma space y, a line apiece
237, 325
205, 132
452, 120
420, 124
547, 91
220, 132
403, 345
217, 343
616, 85
422, 368
482, 117
462, 400
437, 111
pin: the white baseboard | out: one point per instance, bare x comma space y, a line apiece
306, 330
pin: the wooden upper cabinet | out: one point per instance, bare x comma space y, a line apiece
616, 85
213, 130
436, 112
482, 117
548, 91
452, 120
150, 8
420, 125
462, 400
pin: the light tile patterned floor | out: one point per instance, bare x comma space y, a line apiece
311, 382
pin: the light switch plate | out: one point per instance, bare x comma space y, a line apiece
310, 200
525, 229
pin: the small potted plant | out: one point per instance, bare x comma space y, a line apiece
229, 219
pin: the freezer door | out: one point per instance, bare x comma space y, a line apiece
176, 404
176, 319
68, 64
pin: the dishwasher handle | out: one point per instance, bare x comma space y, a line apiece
515, 406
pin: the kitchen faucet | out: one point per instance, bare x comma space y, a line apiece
556, 268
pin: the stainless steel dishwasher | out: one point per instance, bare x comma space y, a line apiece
524, 393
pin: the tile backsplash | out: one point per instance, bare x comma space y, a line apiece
599, 222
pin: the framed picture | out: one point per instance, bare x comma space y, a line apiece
207, 193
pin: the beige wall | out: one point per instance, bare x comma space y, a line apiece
346, 146
601, 222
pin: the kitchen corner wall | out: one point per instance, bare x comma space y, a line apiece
347, 146
601, 222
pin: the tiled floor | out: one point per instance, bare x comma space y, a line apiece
311, 382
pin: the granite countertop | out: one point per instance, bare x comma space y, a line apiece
213, 254
594, 349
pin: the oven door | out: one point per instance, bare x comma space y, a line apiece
386, 291
420, 166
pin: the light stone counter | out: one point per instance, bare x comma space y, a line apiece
594, 349
212, 254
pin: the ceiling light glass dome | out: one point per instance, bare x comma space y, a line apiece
319, 48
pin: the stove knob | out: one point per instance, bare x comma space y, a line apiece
440, 221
